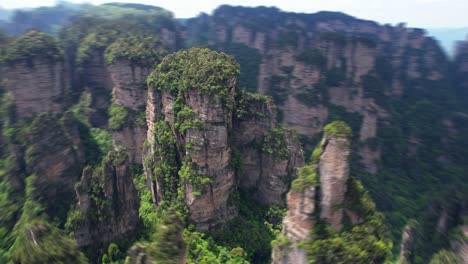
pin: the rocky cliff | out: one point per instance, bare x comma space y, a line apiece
198, 115
107, 208
191, 129
129, 91
311, 64
33, 72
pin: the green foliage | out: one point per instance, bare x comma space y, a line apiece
313, 57
276, 90
113, 255
118, 117
204, 250
251, 105
276, 144
375, 88
358, 245
32, 45
338, 129
249, 60
367, 242
445, 257
167, 242
306, 177
188, 174
202, 69
141, 51
165, 165
251, 230
39, 241
186, 119
102, 138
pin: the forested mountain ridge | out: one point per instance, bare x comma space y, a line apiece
174, 151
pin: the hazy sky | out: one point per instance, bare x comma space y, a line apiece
417, 13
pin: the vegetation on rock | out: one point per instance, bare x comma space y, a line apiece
197, 68
32, 45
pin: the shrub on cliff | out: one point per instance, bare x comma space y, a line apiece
197, 68
32, 45
139, 50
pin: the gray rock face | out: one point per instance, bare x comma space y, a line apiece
305, 207
344, 50
210, 153
334, 172
55, 154
266, 173
36, 87
113, 215
129, 90
407, 244
129, 84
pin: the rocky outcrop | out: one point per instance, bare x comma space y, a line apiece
407, 244
129, 91
129, 84
55, 154
213, 139
334, 172
37, 86
108, 203
308, 204
199, 125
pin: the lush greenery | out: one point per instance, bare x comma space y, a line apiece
249, 60
36, 239
337, 129
312, 57
197, 68
252, 105
141, 51
32, 45
276, 144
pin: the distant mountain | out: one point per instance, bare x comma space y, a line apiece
448, 36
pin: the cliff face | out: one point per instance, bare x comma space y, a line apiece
129, 91
55, 154
311, 64
199, 122
36, 86
108, 203
268, 154
407, 245
211, 137
333, 169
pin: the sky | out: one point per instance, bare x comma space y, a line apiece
416, 13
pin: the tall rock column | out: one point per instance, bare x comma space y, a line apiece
334, 172
196, 92
329, 170
34, 73
129, 62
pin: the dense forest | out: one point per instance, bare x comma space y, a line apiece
250, 135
